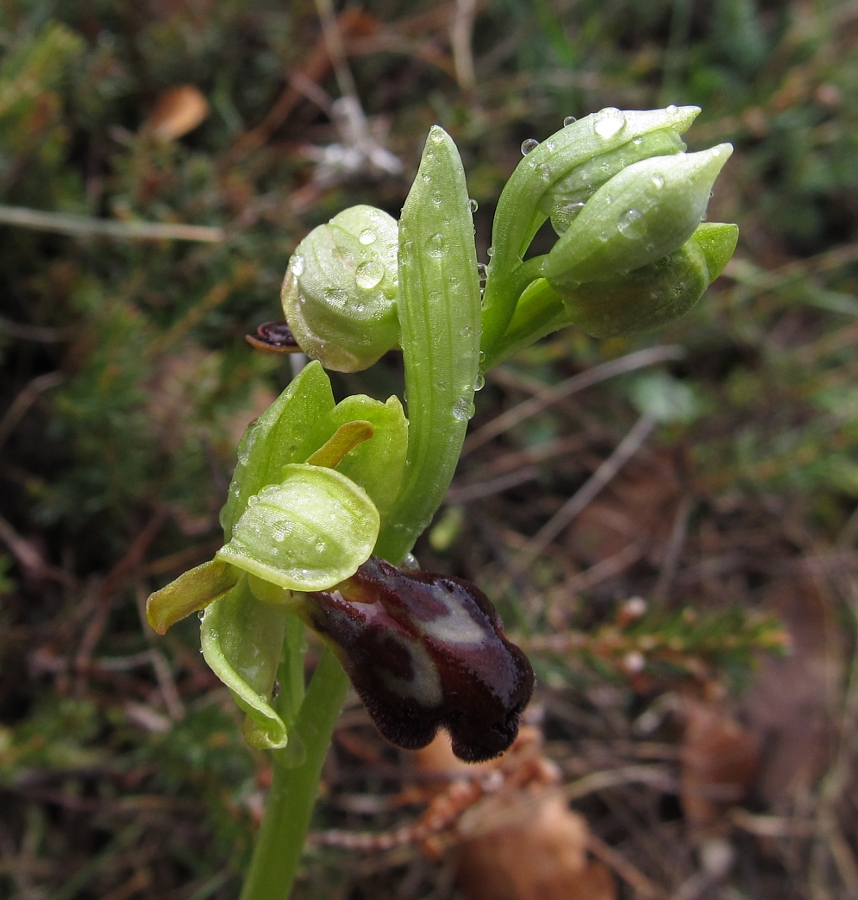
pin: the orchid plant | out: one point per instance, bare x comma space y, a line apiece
328, 499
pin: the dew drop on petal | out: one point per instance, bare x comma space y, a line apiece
473, 206
569, 120
297, 265
490, 252
368, 236
657, 181
630, 223
544, 172
529, 145
482, 271
479, 382
436, 245
369, 273
608, 122
462, 410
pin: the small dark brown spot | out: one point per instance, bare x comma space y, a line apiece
274, 337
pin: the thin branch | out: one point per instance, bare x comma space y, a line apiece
87, 226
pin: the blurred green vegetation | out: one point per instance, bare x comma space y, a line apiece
126, 380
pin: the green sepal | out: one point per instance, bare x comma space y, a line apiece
340, 289
189, 593
307, 533
653, 295
643, 213
376, 465
242, 640
285, 433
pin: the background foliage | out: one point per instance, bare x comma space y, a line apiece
126, 383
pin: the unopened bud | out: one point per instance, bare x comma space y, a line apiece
656, 294
646, 211
339, 293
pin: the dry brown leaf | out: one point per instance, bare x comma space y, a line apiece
787, 706
527, 844
178, 111
720, 760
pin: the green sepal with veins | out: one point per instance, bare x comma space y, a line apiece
242, 641
654, 295
339, 293
307, 533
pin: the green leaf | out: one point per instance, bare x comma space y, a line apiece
439, 311
190, 592
306, 533
285, 433
242, 639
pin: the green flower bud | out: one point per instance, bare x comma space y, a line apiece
645, 212
339, 293
566, 198
656, 294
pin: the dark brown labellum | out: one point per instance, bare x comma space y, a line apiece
426, 651
274, 337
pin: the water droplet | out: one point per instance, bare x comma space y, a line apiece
321, 546
466, 331
252, 501
569, 120
437, 198
368, 236
201, 615
637, 141
550, 145
544, 172
297, 265
608, 122
631, 224
473, 206
672, 108
436, 245
490, 252
437, 135
479, 382
657, 181
410, 562
462, 410
369, 273
482, 271
527, 146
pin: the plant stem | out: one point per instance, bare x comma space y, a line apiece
292, 795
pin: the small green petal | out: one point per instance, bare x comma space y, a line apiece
307, 533
189, 593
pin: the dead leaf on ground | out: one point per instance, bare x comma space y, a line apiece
787, 705
523, 843
720, 761
178, 111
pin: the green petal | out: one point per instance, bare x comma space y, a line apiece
307, 533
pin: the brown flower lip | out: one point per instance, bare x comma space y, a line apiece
426, 651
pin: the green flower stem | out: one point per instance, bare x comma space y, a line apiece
292, 796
